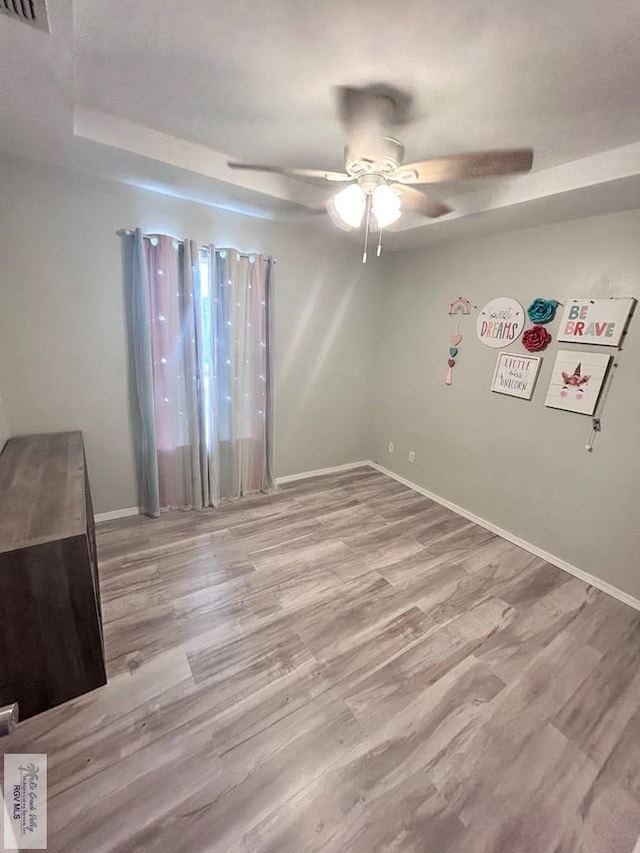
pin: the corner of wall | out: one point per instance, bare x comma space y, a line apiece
384, 272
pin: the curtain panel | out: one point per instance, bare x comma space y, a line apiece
242, 416
200, 340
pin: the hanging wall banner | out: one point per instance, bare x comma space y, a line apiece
516, 374
576, 381
458, 308
595, 321
500, 322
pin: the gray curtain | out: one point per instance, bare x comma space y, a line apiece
241, 428
200, 356
138, 316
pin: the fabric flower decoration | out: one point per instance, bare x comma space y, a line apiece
536, 338
542, 310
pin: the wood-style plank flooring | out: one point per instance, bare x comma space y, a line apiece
345, 666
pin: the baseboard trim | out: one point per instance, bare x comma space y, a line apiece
336, 469
588, 578
116, 513
289, 478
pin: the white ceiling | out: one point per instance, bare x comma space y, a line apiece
162, 93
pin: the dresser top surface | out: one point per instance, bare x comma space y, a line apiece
42, 489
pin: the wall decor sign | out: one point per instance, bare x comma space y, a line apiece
460, 307
516, 374
576, 381
595, 321
500, 322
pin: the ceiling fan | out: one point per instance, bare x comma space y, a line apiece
380, 186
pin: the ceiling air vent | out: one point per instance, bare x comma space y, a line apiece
32, 12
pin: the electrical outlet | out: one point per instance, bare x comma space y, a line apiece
412, 456
392, 447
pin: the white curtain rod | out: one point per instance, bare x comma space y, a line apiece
127, 232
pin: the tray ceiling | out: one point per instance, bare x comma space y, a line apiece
162, 94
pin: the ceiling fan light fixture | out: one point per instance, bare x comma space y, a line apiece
385, 205
350, 205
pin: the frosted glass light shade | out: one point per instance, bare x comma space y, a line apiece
350, 204
385, 205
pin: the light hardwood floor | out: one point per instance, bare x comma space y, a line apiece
345, 666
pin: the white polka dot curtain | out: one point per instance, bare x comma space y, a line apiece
200, 335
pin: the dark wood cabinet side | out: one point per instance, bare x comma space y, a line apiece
51, 646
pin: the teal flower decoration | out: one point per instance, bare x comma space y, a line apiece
542, 310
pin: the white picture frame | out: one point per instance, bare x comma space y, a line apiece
516, 374
600, 322
577, 379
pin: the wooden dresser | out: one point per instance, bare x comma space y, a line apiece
51, 646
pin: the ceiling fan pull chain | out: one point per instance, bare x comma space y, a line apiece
366, 230
380, 244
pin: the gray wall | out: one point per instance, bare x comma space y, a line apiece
62, 345
4, 423
513, 462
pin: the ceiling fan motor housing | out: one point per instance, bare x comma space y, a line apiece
383, 157
369, 182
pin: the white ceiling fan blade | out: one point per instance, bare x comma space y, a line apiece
418, 201
459, 167
314, 174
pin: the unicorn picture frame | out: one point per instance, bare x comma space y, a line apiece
576, 381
